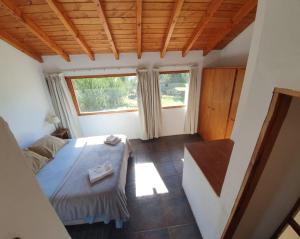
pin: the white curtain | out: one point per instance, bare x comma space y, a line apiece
62, 103
191, 117
149, 104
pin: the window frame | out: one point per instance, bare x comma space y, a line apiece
75, 100
76, 104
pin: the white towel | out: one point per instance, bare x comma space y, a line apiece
100, 172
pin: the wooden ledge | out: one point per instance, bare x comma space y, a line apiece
212, 157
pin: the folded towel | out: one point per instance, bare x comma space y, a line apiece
100, 172
115, 142
112, 140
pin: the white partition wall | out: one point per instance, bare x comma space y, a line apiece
201, 196
25, 211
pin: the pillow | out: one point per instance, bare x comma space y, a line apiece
47, 146
34, 160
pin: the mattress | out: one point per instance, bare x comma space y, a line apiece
64, 180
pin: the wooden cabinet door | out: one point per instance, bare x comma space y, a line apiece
235, 100
205, 102
223, 84
216, 92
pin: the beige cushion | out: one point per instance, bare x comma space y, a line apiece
47, 146
34, 160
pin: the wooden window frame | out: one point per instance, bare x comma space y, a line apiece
174, 72
75, 101
76, 104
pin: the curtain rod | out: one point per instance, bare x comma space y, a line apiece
126, 67
100, 68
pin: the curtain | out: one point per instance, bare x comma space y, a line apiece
149, 105
191, 117
62, 104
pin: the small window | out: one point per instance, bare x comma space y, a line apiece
99, 94
173, 88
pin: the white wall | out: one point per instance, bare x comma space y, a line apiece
201, 197
234, 54
149, 59
24, 100
129, 123
277, 190
125, 123
273, 62
25, 212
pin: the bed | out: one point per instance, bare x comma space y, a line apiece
64, 180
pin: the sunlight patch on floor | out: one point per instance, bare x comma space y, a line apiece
148, 181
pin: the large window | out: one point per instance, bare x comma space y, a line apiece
104, 93
117, 93
173, 88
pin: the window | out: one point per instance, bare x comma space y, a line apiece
96, 94
117, 93
173, 88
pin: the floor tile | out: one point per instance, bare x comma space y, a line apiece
153, 234
177, 210
173, 183
178, 166
176, 154
145, 214
160, 157
189, 231
166, 169
160, 147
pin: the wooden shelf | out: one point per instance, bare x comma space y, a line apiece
212, 157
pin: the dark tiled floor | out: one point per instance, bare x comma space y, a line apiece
155, 216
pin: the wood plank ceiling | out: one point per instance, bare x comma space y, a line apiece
67, 27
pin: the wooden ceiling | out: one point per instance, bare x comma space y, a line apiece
67, 27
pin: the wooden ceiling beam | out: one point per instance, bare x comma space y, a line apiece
106, 28
213, 7
33, 27
236, 20
171, 27
20, 46
64, 18
139, 27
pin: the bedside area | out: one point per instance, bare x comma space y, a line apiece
204, 171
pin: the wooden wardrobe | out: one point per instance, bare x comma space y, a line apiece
219, 98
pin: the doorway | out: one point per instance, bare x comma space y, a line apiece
271, 188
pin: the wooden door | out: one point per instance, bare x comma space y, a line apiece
216, 92
222, 93
205, 102
235, 100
